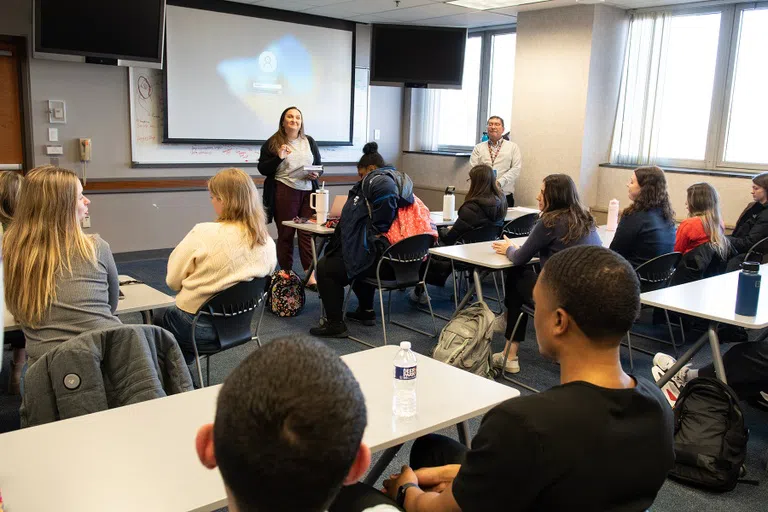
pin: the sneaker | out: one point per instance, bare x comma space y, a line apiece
512, 366
330, 330
671, 390
365, 317
420, 299
664, 361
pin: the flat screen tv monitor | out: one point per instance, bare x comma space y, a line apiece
114, 32
418, 56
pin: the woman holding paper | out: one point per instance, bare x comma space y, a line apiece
288, 187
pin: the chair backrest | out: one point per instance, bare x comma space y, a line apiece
657, 272
759, 251
482, 234
520, 226
231, 311
406, 256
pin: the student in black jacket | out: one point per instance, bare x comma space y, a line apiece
752, 225
484, 205
286, 190
647, 226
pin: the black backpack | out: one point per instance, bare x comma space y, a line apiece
710, 437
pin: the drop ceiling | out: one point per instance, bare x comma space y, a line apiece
431, 12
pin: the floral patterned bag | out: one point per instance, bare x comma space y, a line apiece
285, 293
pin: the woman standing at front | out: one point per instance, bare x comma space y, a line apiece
286, 189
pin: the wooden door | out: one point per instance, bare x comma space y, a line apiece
11, 131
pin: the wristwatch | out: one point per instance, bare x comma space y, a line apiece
401, 493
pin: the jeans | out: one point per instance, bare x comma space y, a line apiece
179, 323
290, 203
518, 291
746, 367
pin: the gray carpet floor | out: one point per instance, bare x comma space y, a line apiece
535, 371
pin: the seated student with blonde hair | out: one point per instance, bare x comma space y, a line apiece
10, 188
59, 281
704, 223
216, 255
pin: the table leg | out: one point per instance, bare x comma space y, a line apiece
464, 437
478, 278
312, 268
146, 317
717, 358
381, 464
683, 360
478, 284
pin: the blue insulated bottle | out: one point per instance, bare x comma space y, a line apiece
749, 289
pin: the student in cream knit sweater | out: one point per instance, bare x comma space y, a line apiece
216, 255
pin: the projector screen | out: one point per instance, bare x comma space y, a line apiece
230, 76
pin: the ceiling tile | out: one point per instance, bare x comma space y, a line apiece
471, 20
422, 12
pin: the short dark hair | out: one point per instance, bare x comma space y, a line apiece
598, 288
371, 156
497, 117
289, 422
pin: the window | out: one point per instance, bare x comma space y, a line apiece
692, 89
747, 135
458, 107
453, 119
502, 76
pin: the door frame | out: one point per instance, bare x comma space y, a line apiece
20, 45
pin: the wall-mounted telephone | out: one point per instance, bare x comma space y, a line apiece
85, 150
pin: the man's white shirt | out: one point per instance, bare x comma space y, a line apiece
508, 163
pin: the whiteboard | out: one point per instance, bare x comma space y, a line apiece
147, 109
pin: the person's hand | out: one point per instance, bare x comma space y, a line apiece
501, 246
438, 478
284, 151
393, 483
312, 176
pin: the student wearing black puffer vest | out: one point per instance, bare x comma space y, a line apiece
752, 225
484, 205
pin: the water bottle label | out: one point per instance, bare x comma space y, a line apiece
407, 373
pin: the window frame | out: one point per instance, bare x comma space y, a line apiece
722, 87
486, 46
720, 162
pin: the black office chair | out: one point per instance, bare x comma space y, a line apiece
530, 310
758, 252
231, 312
655, 274
481, 234
520, 226
404, 259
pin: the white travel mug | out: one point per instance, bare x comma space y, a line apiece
318, 201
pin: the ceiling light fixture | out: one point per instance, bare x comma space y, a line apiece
484, 5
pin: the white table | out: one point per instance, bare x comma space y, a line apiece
712, 299
512, 214
143, 455
139, 298
482, 256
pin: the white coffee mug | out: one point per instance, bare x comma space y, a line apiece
318, 201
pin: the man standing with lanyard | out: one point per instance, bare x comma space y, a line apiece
502, 155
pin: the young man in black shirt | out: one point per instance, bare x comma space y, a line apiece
601, 440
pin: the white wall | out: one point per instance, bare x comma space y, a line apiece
97, 107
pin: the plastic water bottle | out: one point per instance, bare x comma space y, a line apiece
613, 215
404, 383
748, 292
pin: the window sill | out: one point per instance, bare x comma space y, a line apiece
746, 174
440, 153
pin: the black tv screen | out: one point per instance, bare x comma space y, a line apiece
113, 29
418, 56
